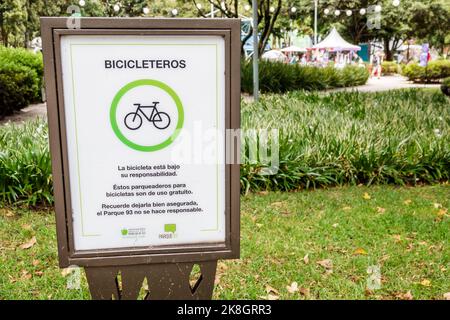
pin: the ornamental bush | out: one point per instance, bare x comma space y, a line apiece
434, 72
21, 74
445, 86
390, 67
277, 77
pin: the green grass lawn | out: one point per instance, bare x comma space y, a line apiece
404, 231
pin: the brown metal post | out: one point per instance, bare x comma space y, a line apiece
165, 281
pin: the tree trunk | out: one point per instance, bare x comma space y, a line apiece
268, 25
387, 50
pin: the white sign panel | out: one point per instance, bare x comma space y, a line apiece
136, 110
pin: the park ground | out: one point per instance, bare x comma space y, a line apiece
321, 244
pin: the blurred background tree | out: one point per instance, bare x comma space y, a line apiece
422, 20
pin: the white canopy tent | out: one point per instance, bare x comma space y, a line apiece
334, 42
274, 55
293, 49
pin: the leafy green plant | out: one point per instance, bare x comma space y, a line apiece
21, 74
397, 137
344, 138
435, 71
390, 67
25, 167
277, 77
445, 86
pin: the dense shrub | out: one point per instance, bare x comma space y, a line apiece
398, 137
280, 77
445, 86
21, 74
390, 67
18, 87
25, 167
435, 71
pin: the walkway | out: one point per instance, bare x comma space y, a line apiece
386, 83
30, 112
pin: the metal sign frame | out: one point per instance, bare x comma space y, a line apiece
53, 28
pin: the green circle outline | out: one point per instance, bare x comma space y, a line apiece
138, 83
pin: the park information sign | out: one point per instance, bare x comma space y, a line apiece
138, 113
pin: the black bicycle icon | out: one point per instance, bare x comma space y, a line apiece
160, 120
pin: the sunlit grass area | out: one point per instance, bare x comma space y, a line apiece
298, 245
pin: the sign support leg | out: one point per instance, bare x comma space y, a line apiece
165, 281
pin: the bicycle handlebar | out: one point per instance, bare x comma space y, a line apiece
154, 104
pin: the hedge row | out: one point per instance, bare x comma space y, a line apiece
390, 67
435, 71
445, 86
280, 77
21, 76
397, 137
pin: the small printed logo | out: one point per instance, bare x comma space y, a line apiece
133, 232
169, 231
171, 227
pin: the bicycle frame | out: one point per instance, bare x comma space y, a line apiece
139, 107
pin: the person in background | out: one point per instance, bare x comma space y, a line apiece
303, 59
377, 60
294, 59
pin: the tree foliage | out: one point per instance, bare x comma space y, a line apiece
423, 20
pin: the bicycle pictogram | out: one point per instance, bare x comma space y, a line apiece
160, 120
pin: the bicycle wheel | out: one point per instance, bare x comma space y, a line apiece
133, 121
163, 120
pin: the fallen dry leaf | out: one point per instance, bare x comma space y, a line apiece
442, 212
425, 283
360, 251
293, 288
272, 297
35, 262
304, 292
28, 244
366, 196
326, 263
447, 296
12, 279
368, 292
269, 297
407, 202
404, 296
25, 275
26, 226
8, 213
39, 273
397, 237
278, 204
306, 259
65, 272
437, 205
381, 210
335, 225
270, 289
